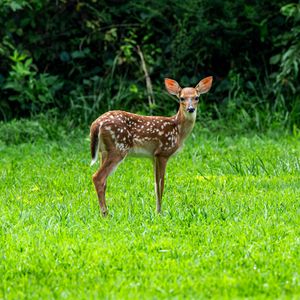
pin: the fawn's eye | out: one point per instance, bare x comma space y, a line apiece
197, 98
181, 99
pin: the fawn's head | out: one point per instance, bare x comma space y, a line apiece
188, 97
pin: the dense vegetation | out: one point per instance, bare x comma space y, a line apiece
83, 57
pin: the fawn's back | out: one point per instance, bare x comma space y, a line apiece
137, 135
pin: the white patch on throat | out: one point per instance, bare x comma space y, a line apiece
191, 116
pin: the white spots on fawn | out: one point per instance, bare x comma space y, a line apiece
112, 134
128, 133
122, 146
132, 131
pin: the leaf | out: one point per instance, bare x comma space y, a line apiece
42, 98
81, 54
64, 56
10, 85
28, 63
275, 59
290, 10
133, 89
15, 6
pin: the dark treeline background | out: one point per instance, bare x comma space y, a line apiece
80, 58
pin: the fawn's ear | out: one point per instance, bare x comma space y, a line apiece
172, 86
204, 85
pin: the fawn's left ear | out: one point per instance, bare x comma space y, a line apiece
172, 86
204, 85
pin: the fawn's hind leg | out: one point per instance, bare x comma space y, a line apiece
109, 162
160, 164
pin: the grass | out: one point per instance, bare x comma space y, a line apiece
229, 227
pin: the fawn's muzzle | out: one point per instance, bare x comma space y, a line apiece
190, 109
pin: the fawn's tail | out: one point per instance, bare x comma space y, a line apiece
94, 135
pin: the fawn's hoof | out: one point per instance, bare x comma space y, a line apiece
104, 213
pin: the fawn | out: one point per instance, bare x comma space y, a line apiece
117, 134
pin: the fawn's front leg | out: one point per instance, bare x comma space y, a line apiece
109, 163
160, 164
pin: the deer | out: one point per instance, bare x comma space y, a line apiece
117, 134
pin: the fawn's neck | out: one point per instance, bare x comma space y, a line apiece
186, 122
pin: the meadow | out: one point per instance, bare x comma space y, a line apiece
229, 227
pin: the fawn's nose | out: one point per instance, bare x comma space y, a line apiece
190, 109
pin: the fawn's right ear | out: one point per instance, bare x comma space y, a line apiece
172, 86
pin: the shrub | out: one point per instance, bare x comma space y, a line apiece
83, 55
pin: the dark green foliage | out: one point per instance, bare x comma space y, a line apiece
80, 56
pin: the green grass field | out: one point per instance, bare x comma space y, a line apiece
229, 227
